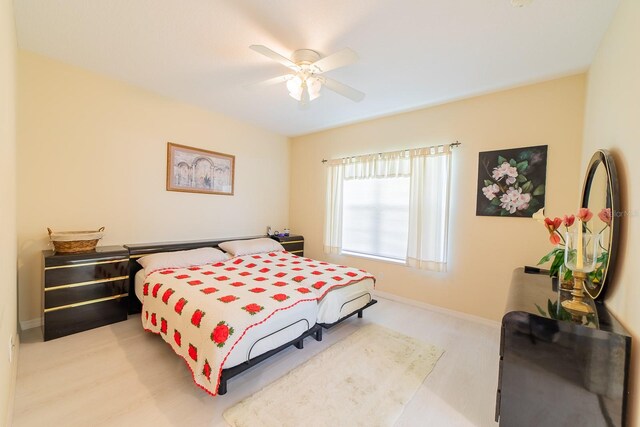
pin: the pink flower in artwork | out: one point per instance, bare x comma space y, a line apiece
490, 191
515, 200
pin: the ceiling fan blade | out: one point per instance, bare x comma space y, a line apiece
274, 56
339, 59
269, 82
343, 89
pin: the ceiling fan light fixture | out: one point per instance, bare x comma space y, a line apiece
294, 86
313, 86
306, 81
297, 85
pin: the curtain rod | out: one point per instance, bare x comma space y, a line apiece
452, 145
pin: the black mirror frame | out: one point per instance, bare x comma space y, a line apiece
603, 157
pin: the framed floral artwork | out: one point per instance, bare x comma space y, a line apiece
511, 182
195, 170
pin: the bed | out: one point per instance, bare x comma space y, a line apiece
327, 298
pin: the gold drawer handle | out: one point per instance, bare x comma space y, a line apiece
79, 304
91, 282
86, 263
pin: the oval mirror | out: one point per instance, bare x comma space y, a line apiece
601, 195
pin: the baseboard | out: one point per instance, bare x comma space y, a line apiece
30, 324
12, 381
442, 310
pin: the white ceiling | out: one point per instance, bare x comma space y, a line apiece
413, 53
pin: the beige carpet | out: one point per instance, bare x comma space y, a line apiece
364, 380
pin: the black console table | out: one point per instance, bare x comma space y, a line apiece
559, 372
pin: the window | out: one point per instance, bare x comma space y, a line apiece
390, 205
375, 217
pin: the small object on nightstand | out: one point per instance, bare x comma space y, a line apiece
75, 241
286, 232
82, 291
292, 243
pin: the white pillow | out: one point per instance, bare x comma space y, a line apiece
181, 259
251, 246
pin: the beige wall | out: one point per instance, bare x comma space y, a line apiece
8, 298
92, 152
612, 121
483, 250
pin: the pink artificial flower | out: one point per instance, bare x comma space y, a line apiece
605, 216
584, 214
569, 220
552, 225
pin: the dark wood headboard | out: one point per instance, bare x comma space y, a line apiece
138, 250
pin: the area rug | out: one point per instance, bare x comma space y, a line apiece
364, 380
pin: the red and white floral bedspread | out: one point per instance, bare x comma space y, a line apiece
204, 311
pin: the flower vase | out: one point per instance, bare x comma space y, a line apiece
565, 279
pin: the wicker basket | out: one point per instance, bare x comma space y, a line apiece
75, 241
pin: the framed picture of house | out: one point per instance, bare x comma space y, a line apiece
511, 182
195, 170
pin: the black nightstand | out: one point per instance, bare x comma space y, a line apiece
85, 290
292, 243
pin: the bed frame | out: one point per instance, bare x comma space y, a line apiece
139, 250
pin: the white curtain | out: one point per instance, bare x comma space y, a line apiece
383, 165
429, 210
333, 206
429, 171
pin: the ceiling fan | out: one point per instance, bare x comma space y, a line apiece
306, 79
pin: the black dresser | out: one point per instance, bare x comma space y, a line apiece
559, 372
85, 290
293, 243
